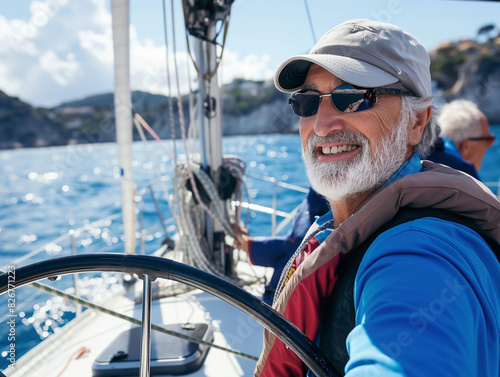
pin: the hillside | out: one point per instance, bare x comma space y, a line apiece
249, 107
469, 70
22, 125
107, 99
462, 69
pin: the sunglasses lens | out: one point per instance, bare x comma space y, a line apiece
345, 98
347, 102
305, 104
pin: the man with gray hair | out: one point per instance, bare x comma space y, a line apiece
465, 132
401, 277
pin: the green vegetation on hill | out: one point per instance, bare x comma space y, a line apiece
457, 66
242, 100
446, 64
106, 100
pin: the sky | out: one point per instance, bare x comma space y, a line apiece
52, 51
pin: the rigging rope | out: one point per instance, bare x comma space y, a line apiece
170, 99
187, 207
191, 208
184, 220
75, 356
181, 114
153, 133
187, 174
310, 22
139, 121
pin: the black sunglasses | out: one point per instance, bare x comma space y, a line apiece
345, 98
490, 137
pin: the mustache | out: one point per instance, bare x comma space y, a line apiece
344, 136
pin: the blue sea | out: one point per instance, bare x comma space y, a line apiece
48, 192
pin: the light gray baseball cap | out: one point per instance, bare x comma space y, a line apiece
364, 53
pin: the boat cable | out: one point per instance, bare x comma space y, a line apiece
142, 122
311, 26
193, 113
186, 205
186, 173
78, 300
183, 126
188, 214
199, 257
234, 164
170, 98
189, 171
139, 121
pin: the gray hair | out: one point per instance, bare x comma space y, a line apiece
412, 106
459, 120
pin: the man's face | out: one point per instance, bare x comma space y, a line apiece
348, 154
479, 147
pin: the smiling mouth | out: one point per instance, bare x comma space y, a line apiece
336, 149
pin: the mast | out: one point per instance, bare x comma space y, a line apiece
123, 116
202, 17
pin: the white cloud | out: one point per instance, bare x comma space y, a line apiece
63, 51
43, 62
97, 45
250, 67
61, 71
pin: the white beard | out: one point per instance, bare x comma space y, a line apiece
339, 180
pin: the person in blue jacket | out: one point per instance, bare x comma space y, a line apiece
276, 251
445, 152
464, 137
385, 294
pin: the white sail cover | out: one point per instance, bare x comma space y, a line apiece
123, 115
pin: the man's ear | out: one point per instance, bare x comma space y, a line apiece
416, 129
465, 149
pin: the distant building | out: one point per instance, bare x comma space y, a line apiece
84, 110
467, 46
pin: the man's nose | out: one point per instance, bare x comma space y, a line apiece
328, 119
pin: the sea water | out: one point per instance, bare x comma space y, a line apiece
48, 192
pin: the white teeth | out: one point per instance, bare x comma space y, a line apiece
338, 149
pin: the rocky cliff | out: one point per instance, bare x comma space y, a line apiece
249, 107
470, 70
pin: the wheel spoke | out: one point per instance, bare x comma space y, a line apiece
146, 326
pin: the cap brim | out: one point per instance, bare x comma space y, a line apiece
291, 75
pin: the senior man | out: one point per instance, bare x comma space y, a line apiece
465, 137
402, 277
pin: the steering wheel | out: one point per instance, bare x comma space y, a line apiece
151, 268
